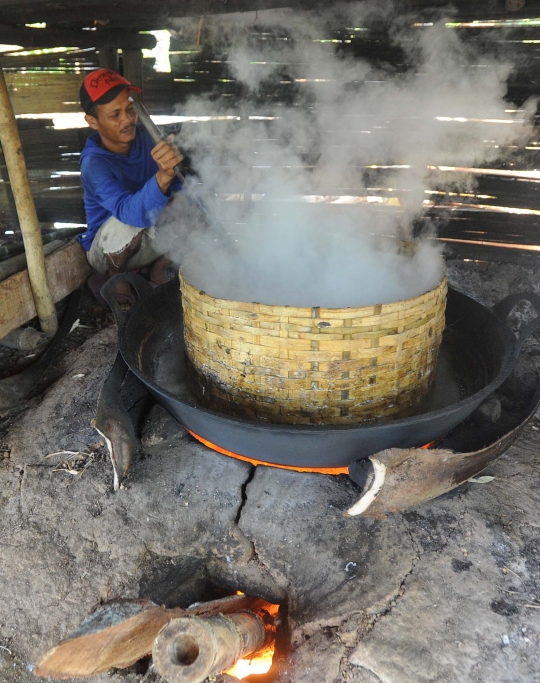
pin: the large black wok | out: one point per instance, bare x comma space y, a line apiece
478, 353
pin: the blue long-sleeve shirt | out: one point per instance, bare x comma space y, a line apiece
119, 185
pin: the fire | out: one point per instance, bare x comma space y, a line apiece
320, 470
261, 661
260, 664
218, 449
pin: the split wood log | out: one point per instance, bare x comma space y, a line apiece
189, 649
26, 210
118, 634
401, 478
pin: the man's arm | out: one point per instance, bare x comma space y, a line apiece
108, 189
138, 209
166, 156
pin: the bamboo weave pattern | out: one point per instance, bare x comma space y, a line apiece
293, 365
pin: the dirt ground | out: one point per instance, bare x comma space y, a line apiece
448, 591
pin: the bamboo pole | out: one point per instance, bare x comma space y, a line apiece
26, 210
190, 649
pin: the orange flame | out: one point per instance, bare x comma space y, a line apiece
261, 661
321, 470
259, 664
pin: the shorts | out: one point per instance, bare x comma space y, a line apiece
113, 237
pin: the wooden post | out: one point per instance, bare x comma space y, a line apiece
108, 58
132, 61
26, 210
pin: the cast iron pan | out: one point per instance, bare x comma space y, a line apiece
478, 353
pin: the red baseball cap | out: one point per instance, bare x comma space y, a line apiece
101, 87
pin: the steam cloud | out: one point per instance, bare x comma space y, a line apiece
286, 245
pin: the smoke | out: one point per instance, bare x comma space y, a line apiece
362, 133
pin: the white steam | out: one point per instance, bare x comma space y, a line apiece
276, 164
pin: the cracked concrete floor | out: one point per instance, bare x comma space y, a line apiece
449, 591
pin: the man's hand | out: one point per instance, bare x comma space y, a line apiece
166, 156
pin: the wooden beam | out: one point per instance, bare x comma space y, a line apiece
67, 269
44, 38
135, 14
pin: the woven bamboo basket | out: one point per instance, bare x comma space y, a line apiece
329, 366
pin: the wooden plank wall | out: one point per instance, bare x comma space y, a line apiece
40, 84
50, 82
67, 270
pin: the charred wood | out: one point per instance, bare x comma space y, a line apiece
118, 634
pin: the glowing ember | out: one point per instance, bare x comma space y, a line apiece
218, 449
260, 664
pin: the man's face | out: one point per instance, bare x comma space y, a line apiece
115, 123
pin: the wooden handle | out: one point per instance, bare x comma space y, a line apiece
26, 210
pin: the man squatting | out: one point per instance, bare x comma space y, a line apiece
126, 180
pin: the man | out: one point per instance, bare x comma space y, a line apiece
127, 181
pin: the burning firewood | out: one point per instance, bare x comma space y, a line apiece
190, 649
118, 634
